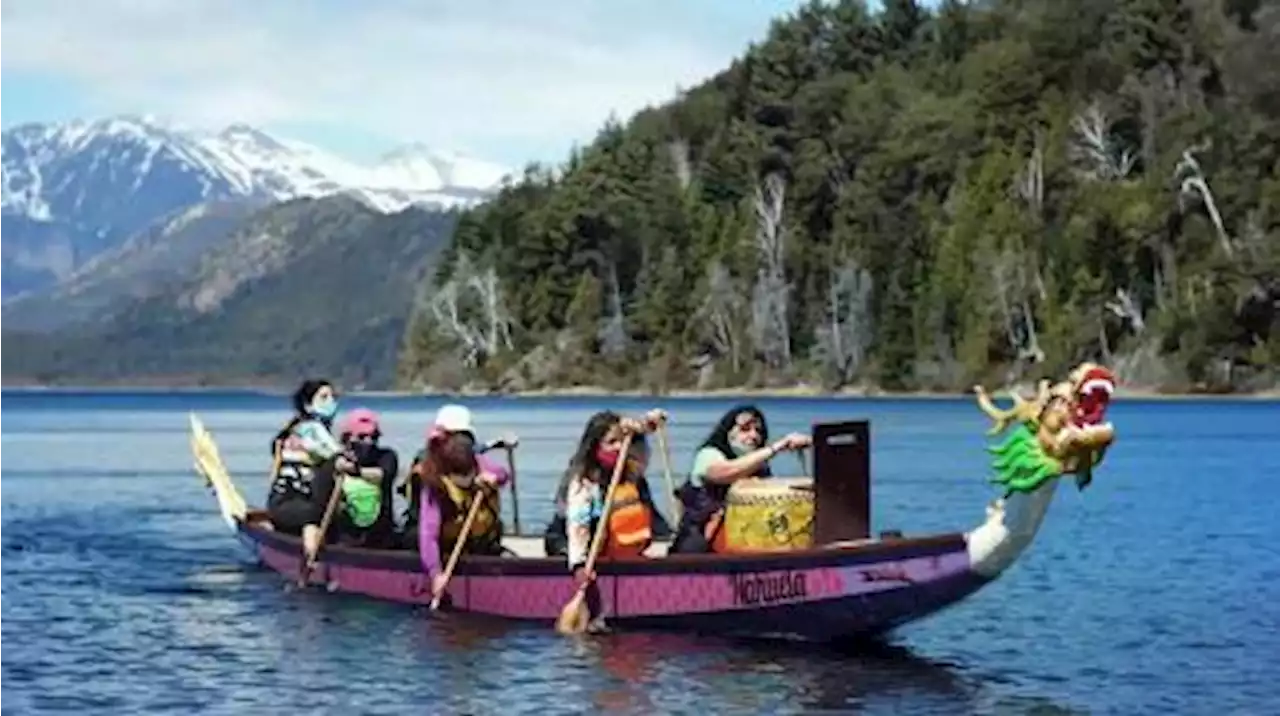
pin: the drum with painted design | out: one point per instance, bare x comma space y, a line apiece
768, 515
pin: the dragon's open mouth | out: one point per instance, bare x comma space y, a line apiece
1093, 397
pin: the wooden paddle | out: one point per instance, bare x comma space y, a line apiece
279, 454
329, 510
457, 546
515, 496
666, 469
575, 615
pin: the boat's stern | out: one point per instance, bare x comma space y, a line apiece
209, 465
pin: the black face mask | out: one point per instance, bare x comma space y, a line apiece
365, 450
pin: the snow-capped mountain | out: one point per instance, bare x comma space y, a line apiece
48, 167
73, 190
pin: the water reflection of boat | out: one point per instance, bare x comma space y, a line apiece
874, 672
849, 584
664, 673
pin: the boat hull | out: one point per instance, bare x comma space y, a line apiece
838, 591
825, 594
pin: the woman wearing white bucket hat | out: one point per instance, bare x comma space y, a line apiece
446, 479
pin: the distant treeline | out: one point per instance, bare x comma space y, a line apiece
911, 199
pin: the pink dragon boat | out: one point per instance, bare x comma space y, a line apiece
848, 584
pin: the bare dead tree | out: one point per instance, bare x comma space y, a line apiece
1029, 186
721, 311
1195, 185
493, 310
470, 308
771, 293
1013, 296
680, 159
1127, 308
843, 339
1099, 156
448, 320
613, 327
1030, 183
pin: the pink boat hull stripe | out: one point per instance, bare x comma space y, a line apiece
635, 596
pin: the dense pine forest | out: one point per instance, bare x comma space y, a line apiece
914, 199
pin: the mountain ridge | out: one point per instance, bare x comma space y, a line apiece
74, 190
308, 285
285, 168
141, 266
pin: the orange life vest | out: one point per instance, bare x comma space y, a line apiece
630, 523
717, 536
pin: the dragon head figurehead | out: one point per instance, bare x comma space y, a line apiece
1076, 410
1062, 430
1093, 387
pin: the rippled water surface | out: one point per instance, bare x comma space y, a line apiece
1156, 591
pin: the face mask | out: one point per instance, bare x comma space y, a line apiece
325, 409
740, 448
362, 449
608, 459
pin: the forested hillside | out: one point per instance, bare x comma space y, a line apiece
909, 200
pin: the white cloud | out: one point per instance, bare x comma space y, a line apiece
462, 74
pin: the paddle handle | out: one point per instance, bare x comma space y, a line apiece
515, 494
597, 541
803, 456
329, 510
457, 546
666, 469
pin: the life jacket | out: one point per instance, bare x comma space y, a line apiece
630, 522
363, 501
486, 528
297, 465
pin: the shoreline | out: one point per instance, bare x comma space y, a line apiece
797, 392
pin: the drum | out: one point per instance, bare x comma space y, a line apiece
768, 515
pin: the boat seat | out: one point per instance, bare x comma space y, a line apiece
259, 518
530, 547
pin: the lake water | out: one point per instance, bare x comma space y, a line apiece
1155, 591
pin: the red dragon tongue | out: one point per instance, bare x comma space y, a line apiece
1093, 397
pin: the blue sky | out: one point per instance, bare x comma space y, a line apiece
505, 80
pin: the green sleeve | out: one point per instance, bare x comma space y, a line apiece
705, 458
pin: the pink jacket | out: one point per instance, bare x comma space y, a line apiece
429, 516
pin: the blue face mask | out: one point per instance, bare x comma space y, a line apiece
325, 409
740, 448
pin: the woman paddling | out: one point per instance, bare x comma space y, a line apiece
602, 441
368, 517
446, 480
308, 455
588, 476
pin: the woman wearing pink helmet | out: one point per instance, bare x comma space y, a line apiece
368, 518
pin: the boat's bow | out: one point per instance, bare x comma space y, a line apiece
1011, 526
1059, 432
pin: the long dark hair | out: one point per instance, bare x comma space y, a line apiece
584, 462
301, 400
719, 436
449, 454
